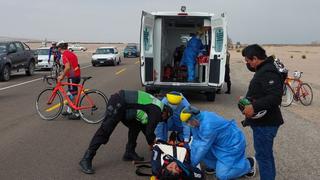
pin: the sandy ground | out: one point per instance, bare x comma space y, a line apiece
291, 56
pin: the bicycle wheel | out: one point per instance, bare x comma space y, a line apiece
96, 105
287, 96
305, 94
49, 111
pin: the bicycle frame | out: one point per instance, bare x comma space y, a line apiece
295, 90
59, 87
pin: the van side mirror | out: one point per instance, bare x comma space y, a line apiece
116, 52
93, 53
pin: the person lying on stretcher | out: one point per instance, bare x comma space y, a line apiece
170, 162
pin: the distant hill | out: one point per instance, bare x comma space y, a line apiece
6, 38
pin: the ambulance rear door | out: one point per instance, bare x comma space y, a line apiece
147, 48
218, 51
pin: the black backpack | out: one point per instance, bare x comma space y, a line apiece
283, 71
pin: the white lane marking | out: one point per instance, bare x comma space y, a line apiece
27, 82
15, 85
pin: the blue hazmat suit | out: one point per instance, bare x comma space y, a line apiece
194, 46
220, 144
174, 123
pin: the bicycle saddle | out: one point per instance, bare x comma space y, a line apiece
86, 78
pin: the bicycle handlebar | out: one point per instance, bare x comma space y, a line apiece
46, 78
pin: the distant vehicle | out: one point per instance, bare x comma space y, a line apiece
43, 58
106, 55
76, 47
15, 56
131, 51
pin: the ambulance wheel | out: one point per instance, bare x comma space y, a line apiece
211, 96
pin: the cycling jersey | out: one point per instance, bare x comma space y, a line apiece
56, 54
70, 57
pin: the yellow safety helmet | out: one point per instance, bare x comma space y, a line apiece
185, 116
187, 112
174, 97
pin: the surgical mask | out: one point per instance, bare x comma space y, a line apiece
250, 68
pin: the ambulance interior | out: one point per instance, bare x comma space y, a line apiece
175, 32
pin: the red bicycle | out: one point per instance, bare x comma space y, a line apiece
91, 104
295, 89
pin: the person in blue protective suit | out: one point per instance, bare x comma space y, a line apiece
177, 102
219, 144
194, 46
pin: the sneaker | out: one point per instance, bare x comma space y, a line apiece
227, 92
253, 163
74, 116
210, 171
65, 113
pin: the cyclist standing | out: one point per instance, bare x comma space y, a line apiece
56, 54
72, 71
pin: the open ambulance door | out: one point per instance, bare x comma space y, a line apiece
146, 48
218, 51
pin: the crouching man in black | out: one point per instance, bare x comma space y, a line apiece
118, 104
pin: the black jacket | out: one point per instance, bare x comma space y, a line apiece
265, 91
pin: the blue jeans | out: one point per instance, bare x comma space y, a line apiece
263, 142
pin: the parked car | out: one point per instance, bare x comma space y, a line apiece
76, 47
43, 58
106, 55
15, 56
131, 51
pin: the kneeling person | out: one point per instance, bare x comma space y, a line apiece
177, 102
219, 143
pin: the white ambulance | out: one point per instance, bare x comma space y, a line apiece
161, 36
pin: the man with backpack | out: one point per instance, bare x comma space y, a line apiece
265, 91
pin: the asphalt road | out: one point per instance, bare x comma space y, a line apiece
31, 148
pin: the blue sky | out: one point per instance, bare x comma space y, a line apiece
249, 21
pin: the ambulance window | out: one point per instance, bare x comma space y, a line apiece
219, 39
